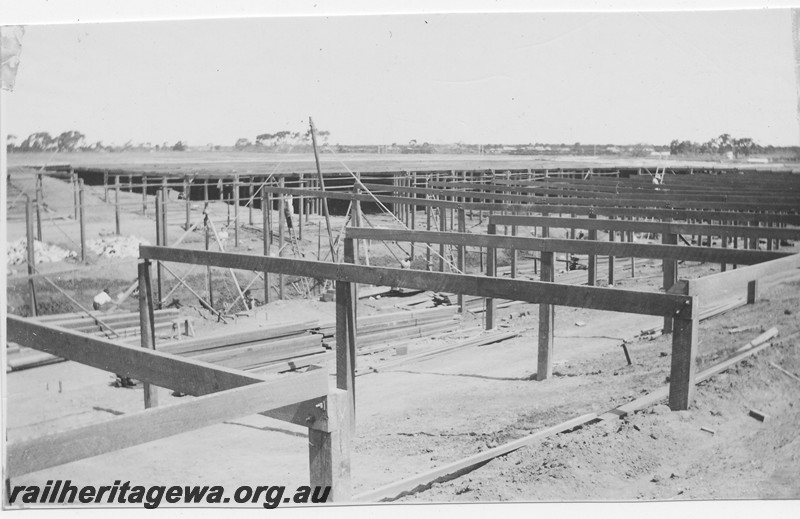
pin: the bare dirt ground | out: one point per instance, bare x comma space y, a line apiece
421, 415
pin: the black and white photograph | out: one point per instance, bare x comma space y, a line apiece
350, 258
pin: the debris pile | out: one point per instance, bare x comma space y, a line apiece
43, 252
116, 246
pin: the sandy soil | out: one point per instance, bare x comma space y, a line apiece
421, 415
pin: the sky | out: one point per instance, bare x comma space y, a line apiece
602, 77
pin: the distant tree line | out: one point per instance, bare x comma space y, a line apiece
282, 139
74, 140
721, 145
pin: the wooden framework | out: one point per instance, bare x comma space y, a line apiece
223, 394
679, 307
507, 197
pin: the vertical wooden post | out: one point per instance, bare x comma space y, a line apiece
205, 193
300, 209
544, 364
413, 211
572, 230
250, 200
670, 268
164, 214
356, 222
752, 291
346, 348
40, 186
684, 349
117, 222
269, 214
147, 326
281, 218
105, 186
76, 204
236, 210
592, 257
266, 238
428, 265
144, 194
187, 192
209, 280
611, 237
724, 266
31, 259
329, 450
545, 228
159, 240
443, 228
491, 271
633, 259
462, 267
38, 205
513, 255
82, 219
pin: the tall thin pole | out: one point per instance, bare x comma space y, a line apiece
82, 218
208, 268
31, 253
116, 205
322, 187
265, 208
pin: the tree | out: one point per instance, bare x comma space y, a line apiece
179, 146
242, 143
69, 141
265, 139
39, 141
744, 146
725, 142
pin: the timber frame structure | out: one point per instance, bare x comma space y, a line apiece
511, 203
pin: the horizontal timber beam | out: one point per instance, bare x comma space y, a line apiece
597, 298
677, 202
674, 214
721, 282
776, 233
603, 248
160, 422
620, 191
188, 376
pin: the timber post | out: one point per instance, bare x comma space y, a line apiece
544, 364
147, 326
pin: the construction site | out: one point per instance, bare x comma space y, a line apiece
491, 329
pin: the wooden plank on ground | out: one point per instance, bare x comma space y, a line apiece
453, 470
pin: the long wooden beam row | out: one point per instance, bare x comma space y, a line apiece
678, 203
674, 214
161, 422
710, 286
620, 192
775, 233
601, 248
598, 298
160, 369
709, 181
